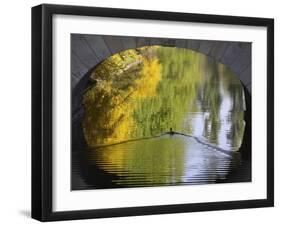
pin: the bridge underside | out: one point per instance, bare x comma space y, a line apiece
90, 50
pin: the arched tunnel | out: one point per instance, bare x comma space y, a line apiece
88, 51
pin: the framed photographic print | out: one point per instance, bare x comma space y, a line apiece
146, 112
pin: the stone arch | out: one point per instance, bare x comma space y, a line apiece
87, 51
90, 50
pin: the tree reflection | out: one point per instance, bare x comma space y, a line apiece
144, 92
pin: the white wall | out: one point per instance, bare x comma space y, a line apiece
15, 92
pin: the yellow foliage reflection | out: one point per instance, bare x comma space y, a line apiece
119, 82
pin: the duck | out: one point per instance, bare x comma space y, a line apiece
171, 131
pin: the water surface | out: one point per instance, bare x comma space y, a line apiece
137, 97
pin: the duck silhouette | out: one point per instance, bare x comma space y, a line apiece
171, 131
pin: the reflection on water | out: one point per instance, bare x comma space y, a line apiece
168, 159
147, 92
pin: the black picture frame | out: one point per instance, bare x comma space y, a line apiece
42, 107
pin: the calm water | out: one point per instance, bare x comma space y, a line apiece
137, 97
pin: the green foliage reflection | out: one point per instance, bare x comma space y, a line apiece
144, 92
